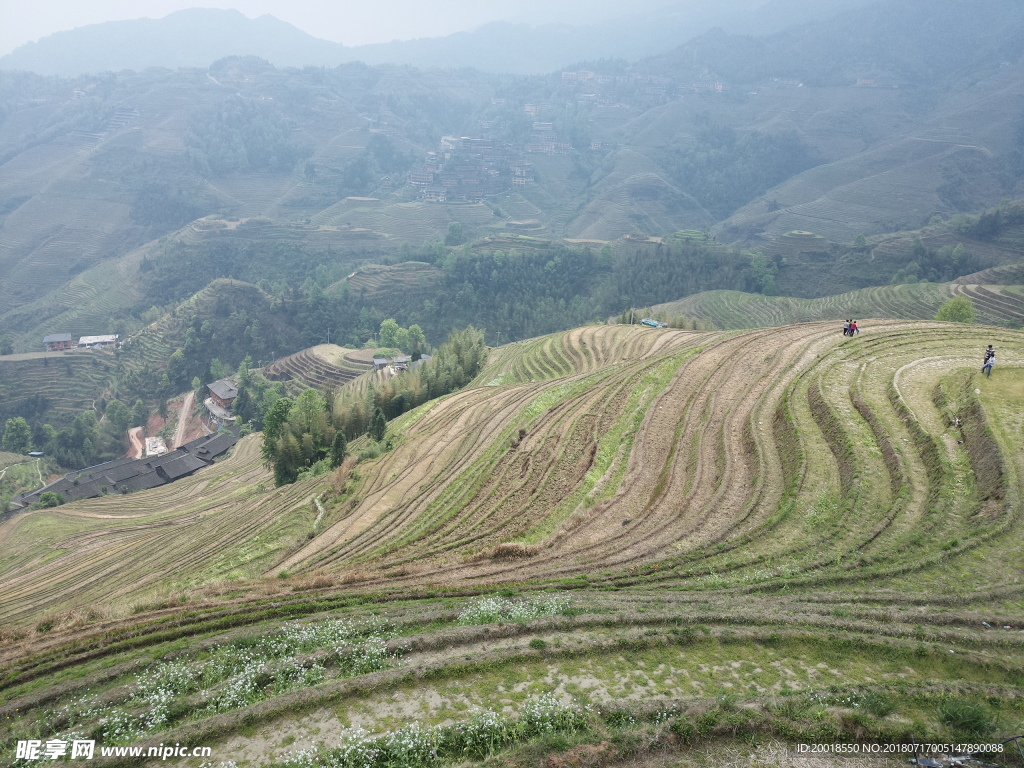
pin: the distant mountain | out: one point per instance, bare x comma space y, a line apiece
914, 105
190, 38
198, 37
916, 43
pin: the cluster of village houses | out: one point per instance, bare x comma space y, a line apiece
55, 342
129, 475
469, 169
398, 363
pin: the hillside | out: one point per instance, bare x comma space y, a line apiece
54, 386
748, 137
565, 540
994, 305
787, 531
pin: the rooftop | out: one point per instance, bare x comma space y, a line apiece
225, 389
87, 340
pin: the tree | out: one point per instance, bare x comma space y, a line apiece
140, 414
51, 499
243, 371
17, 436
287, 460
177, 370
378, 425
307, 414
389, 333
402, 340
6, 344
765, 274
245, 407
273, 426
417, 339
957, 310
339, 449
118, 415
455, 234
217, 369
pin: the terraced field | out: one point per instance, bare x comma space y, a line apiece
411, 222
308, 369
624, 545
223, 522
393, 286
993, 304
69, 382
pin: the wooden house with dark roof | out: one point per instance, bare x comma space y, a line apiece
58, 341
223, 392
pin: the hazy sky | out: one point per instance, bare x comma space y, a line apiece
352, 22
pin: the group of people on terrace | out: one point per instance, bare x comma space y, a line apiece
850, 329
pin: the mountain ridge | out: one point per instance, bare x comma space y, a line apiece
197, 37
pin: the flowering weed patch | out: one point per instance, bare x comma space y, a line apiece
489, 610
414, 746
233, 675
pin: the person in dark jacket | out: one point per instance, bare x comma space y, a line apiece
990, 360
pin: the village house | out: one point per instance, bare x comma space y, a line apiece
58, 341
223, 392
222, 395
97, 342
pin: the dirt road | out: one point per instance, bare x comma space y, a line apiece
136, 443
186, 409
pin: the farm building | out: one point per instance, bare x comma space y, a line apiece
127, 475
417, 363
58, 341
223, 392
435, 194
97, 342
401, 362
155, 446
380, 363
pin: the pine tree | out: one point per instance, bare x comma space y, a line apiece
378, 425
339, 449
274, 425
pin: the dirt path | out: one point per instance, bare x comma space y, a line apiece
186, 409
19, 357
135, 441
